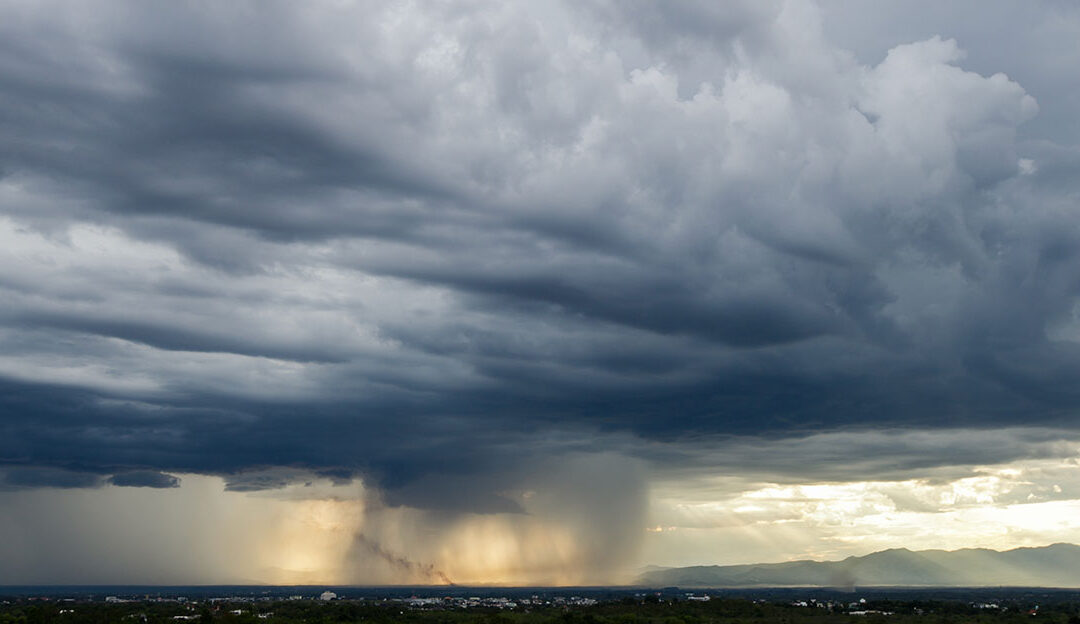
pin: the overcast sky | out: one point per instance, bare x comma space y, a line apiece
532, 292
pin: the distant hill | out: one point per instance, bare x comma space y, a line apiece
1057, 565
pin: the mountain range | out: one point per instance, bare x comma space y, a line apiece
1057, 565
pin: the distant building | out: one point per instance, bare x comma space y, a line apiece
327, 595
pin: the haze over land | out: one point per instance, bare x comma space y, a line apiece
1057, 565
532, 293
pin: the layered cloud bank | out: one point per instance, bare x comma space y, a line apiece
471, 253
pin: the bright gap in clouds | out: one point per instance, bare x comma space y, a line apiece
1005, 506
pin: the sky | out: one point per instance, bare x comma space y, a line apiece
518, 292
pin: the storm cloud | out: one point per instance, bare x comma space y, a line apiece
433, 247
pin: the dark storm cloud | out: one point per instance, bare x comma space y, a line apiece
145, 478
425, 245
47, 477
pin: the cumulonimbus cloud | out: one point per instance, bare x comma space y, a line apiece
415, 242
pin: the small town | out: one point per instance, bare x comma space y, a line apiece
549, 606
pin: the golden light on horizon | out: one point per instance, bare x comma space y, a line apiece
309, 534
504, 549
1001, 507
1023, 503
311, 541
